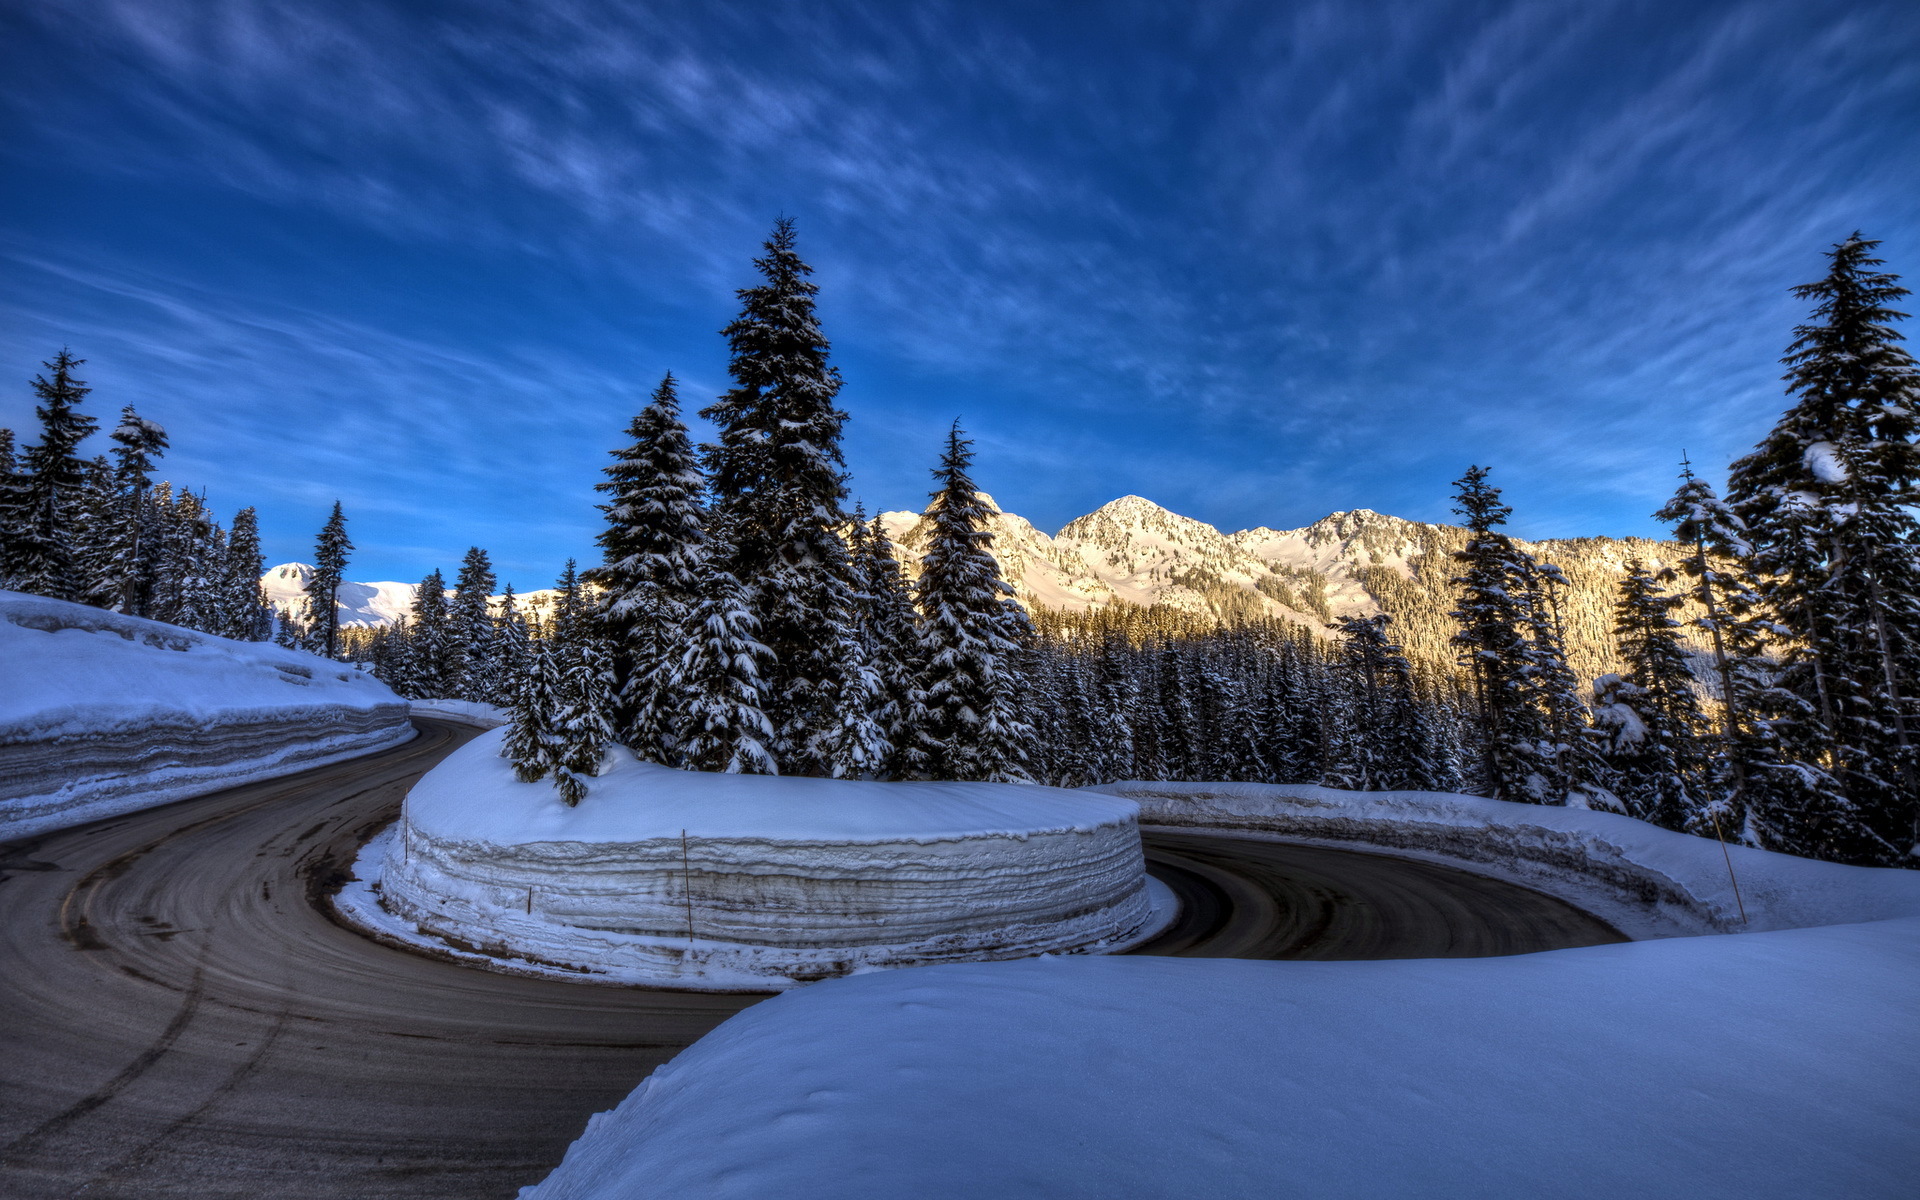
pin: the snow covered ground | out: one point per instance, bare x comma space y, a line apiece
102, 714
1750, 1066
467, 712
680, 878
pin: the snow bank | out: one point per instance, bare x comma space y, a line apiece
468, 712
1646, 881
102, 714
776, 881
1772, 1066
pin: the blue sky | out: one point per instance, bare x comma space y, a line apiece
1257, 262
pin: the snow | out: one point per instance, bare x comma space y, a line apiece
102, 714
361, 604
467, 712
1774, 1066
1823, 459
705, 880
1771, 1065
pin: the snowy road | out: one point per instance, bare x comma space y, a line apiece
177, 1019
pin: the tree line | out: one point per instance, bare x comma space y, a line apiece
741, 619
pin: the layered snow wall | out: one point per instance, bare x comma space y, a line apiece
1774, 1065
1646, 881
720, 881
102, 714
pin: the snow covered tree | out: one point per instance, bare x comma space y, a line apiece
1662, 771
244, 612
512, 651
41, 553
323, 586
653, 543
430, 660
718, 680
890, 633
533, 736
1827, 502
1393, 737
127, 569
583, 724
1494, 616
470, 649
971, 630
777, 479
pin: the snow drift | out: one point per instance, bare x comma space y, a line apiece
1756, 1066
1646, 881
102, 714
775, 881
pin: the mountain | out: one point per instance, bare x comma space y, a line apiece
367, 605
1133, 551
1355, 563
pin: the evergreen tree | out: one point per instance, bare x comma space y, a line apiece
971, 631
430, 658
1827, 500
127, 571
653, 543
41, 555
12, 507
533, 736
583, 725
512, 651
1494, 616
1662, 771
323, 587
778, 478
718, 680
892, 635
470, 651
245, 614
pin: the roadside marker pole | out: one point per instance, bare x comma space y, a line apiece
686, 883
1724, 854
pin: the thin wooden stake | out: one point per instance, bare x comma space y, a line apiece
686, 883
1729, 857
529, 901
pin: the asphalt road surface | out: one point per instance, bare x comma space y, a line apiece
179, 1019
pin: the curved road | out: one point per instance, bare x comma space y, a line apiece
178, 1019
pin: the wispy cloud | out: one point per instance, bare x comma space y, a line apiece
1256, 261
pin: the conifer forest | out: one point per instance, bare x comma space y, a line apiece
1758, 680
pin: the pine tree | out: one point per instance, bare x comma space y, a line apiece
1494, 616
653, 543
533, 736
127, 570
970, 632
470, 649
1827, 498
890, 628
323, 587
778, 478
512, 651
1663, 771
245, 614
41, 556
583, 724
12, 504
718, 680
431, 665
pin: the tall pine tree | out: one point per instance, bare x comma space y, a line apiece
330, 551
41, 557
653, 544
1826, 499
778, 478
971, 632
